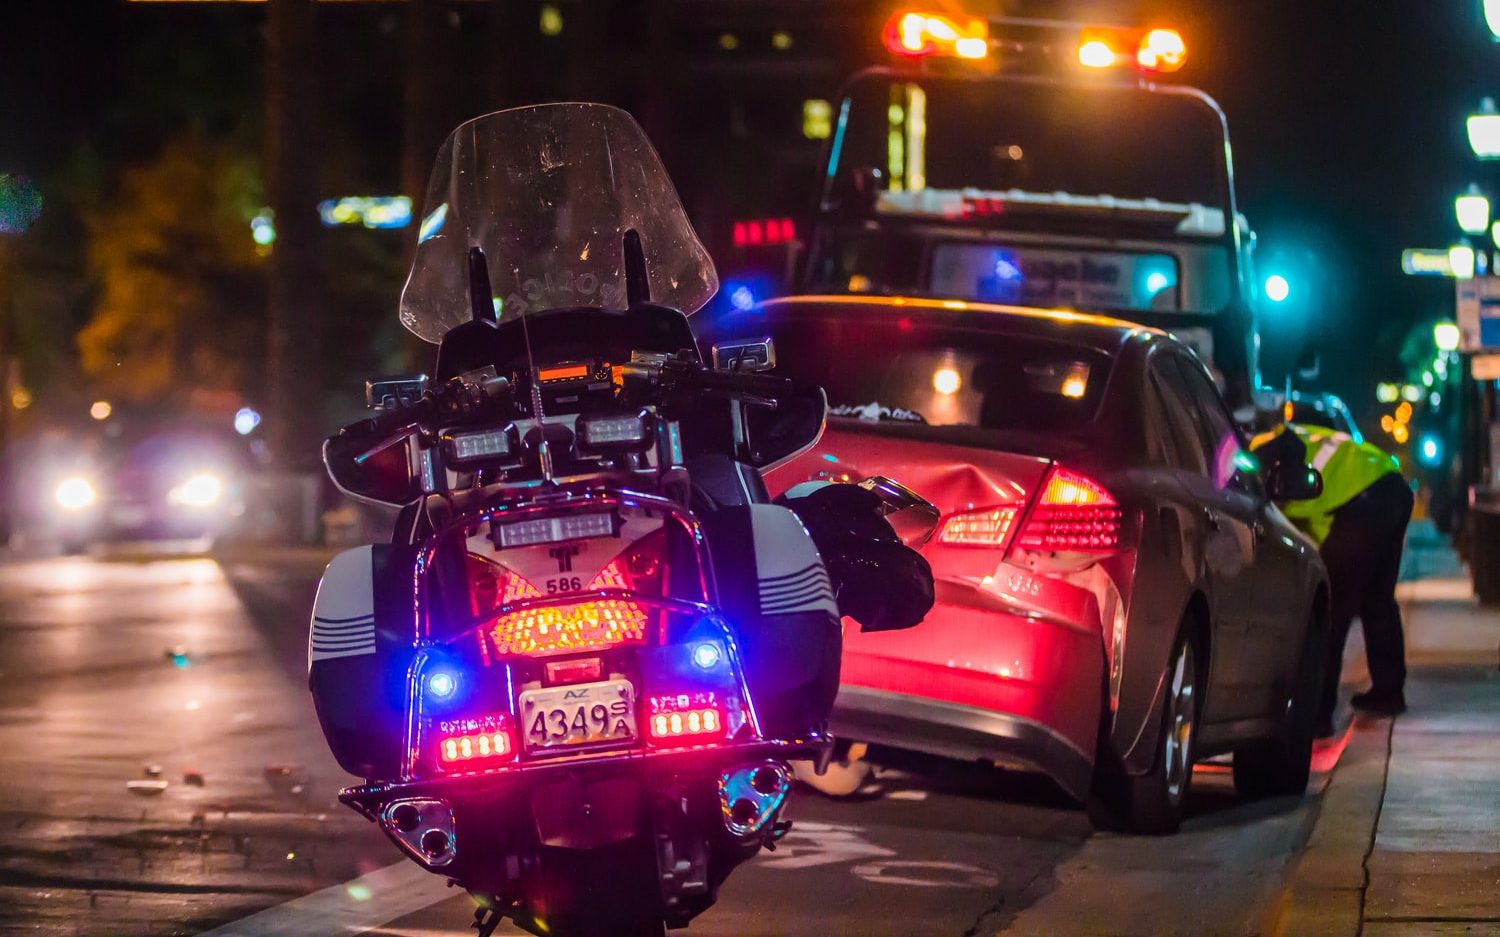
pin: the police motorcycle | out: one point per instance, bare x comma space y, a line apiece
576, 678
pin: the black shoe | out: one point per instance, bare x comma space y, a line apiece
1323, 730
1380, 702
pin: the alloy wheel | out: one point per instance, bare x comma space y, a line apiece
1181, 716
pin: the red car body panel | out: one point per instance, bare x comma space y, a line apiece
1001, 639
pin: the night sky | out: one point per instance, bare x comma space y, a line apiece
1347, 120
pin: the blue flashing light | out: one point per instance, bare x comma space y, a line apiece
706, 656
741, 298
442, 684
1430, 450
830, 457
1006, 269
1277, 289
1156, 281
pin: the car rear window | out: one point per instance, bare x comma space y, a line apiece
882, 369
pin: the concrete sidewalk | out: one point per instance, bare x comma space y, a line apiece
1408, 839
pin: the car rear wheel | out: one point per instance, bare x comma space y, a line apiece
1152, 803
1280, 766
848, 772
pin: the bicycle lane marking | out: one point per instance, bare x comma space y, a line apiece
810, 844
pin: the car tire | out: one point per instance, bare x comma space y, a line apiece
1281, 766
1152, 804
848, 772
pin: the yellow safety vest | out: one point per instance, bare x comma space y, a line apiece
1348, 468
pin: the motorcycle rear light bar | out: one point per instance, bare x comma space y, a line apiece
554, 529
690, 725
481, 746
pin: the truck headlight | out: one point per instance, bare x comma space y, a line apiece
76, 493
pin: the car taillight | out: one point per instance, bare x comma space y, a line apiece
1074, 514
985, 528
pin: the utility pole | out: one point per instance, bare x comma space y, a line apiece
294, 325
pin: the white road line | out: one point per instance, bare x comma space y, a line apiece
352, 907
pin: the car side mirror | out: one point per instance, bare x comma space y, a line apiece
1293, 481
911, 516
753, 354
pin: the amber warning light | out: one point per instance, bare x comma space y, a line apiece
1152, 50
915, 33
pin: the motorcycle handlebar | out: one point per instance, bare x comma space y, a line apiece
740, 382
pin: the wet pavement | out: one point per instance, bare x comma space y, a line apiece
119, 672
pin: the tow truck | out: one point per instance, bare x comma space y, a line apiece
1041, 163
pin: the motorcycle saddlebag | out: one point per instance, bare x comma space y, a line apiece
358, 651
773, 585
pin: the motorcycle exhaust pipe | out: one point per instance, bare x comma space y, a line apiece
751, 795
423, 827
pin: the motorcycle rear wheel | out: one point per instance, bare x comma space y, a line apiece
600, 892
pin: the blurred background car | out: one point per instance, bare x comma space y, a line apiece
157, 482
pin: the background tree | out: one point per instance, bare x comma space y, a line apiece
181, 299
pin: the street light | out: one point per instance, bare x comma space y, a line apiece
1461, 260
1446, 336
1484, 130
1277, 289
1473, 211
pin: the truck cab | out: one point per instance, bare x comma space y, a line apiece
1046, 164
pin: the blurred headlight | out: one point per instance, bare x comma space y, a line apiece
199, 491
75, 494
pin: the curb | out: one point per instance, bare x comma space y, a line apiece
1325, 893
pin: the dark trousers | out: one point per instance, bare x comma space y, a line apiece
1363, 555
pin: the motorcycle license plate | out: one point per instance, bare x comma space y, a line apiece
582, 714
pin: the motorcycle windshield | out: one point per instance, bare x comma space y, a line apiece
548, 193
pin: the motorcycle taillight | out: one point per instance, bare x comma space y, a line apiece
590, 624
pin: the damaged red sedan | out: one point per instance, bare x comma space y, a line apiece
1118, 595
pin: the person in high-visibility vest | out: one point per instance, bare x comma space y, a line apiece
1359, 522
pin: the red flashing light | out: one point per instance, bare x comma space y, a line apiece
1074, 514
690, 725
764, 231
457, 749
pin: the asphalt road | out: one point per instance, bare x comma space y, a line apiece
114, 672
